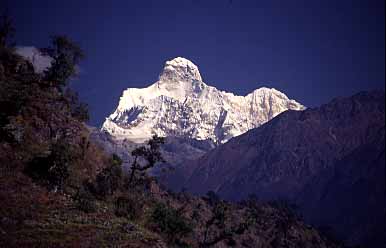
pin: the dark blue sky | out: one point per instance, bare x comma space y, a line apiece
310, 50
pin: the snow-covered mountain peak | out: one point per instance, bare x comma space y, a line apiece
180, 69
180, 104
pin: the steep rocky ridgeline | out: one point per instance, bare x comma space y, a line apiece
328, 160
181, 104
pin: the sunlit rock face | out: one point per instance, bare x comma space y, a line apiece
181, 104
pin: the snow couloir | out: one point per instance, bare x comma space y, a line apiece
181, 104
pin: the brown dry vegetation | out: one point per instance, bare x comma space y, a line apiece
54, 181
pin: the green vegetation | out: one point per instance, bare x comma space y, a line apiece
128, 207
220, 220
58, 189
52, 169
110, 178
170, 222
85, 200
150, 154
66, 56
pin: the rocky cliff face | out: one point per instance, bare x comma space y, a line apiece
328, 160
181, 104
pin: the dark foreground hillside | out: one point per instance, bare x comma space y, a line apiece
33, 217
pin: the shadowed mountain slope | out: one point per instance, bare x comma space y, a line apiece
328, 160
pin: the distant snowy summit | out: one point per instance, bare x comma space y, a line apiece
181, 104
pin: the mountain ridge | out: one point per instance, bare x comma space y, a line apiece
297, 156
181, 104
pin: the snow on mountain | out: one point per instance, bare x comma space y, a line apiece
39, 61
181, 104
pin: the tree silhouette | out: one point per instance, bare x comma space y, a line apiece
219, 219
150, 154
66, 55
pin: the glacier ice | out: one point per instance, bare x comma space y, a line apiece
181, 104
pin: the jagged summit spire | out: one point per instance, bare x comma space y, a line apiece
180, 69
181, 104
